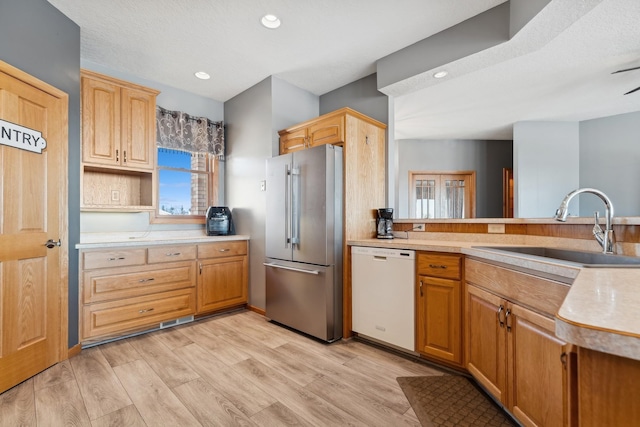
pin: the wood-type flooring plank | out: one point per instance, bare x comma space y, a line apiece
156, 403
245, 395
98, 384
61, 405
17, 406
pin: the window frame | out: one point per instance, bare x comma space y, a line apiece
213, 164
469, 176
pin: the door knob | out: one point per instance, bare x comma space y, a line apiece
52, 244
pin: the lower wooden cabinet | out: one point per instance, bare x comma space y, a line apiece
608, 389
124, 290
223, 277
438, 307
512, 351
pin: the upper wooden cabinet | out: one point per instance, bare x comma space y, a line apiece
118, 123
118, 144
328, 129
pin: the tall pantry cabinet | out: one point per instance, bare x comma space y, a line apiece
363, 141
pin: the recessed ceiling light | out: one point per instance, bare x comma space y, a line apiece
440, 74
202, 75
270, 21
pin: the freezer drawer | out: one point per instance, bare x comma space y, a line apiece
305, 297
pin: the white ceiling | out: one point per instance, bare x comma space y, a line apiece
557, 68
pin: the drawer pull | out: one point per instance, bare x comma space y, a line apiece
120, 258
501, 316
173, 254
437, 266
146, 280
145, 310
224, 250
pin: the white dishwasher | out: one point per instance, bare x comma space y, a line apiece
382, 295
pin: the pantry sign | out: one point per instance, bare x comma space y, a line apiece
21, 137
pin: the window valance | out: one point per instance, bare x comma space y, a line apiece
179, 131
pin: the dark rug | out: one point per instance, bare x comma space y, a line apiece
451, 400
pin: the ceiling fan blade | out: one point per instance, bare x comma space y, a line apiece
627, 69
631, 91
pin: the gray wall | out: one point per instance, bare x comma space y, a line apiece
610, 162
36, 38
487, 158
545, 166
253, 119
172, 99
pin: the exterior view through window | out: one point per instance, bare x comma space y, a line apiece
186, 182
442, 195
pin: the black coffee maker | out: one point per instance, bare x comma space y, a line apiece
384, 223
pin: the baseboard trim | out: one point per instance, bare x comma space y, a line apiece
75, 350
256, 309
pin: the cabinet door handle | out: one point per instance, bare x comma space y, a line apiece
437, 266
563, 359
173, 254
117, 156
120, 258
200, 268
146, 280
124, 156
421, 288
147, 310
500, 316
508, 319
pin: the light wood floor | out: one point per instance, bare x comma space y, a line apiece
235, 369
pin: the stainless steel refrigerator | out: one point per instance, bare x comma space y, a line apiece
304, 241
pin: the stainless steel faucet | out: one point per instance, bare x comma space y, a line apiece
605, 238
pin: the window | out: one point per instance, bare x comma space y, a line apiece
186, 183
442, 194
188, 159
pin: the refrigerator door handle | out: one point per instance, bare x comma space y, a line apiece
295, 208
287, 206
299, 270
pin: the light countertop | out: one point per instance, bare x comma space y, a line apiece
600, 312
131, 239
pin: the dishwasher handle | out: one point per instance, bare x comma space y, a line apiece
299, 270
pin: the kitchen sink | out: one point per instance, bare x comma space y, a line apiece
584, 258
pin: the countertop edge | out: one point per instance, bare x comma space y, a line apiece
143, 241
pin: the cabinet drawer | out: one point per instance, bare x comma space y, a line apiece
171, 253
136, 313
109, 284
222, 249
114, 258
439, 265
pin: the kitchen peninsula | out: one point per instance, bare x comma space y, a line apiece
578, 326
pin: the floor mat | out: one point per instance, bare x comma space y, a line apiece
451, 400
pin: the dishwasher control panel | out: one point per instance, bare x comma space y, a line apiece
396, 253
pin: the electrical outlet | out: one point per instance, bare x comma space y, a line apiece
263, 185
418, 227
115, 196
